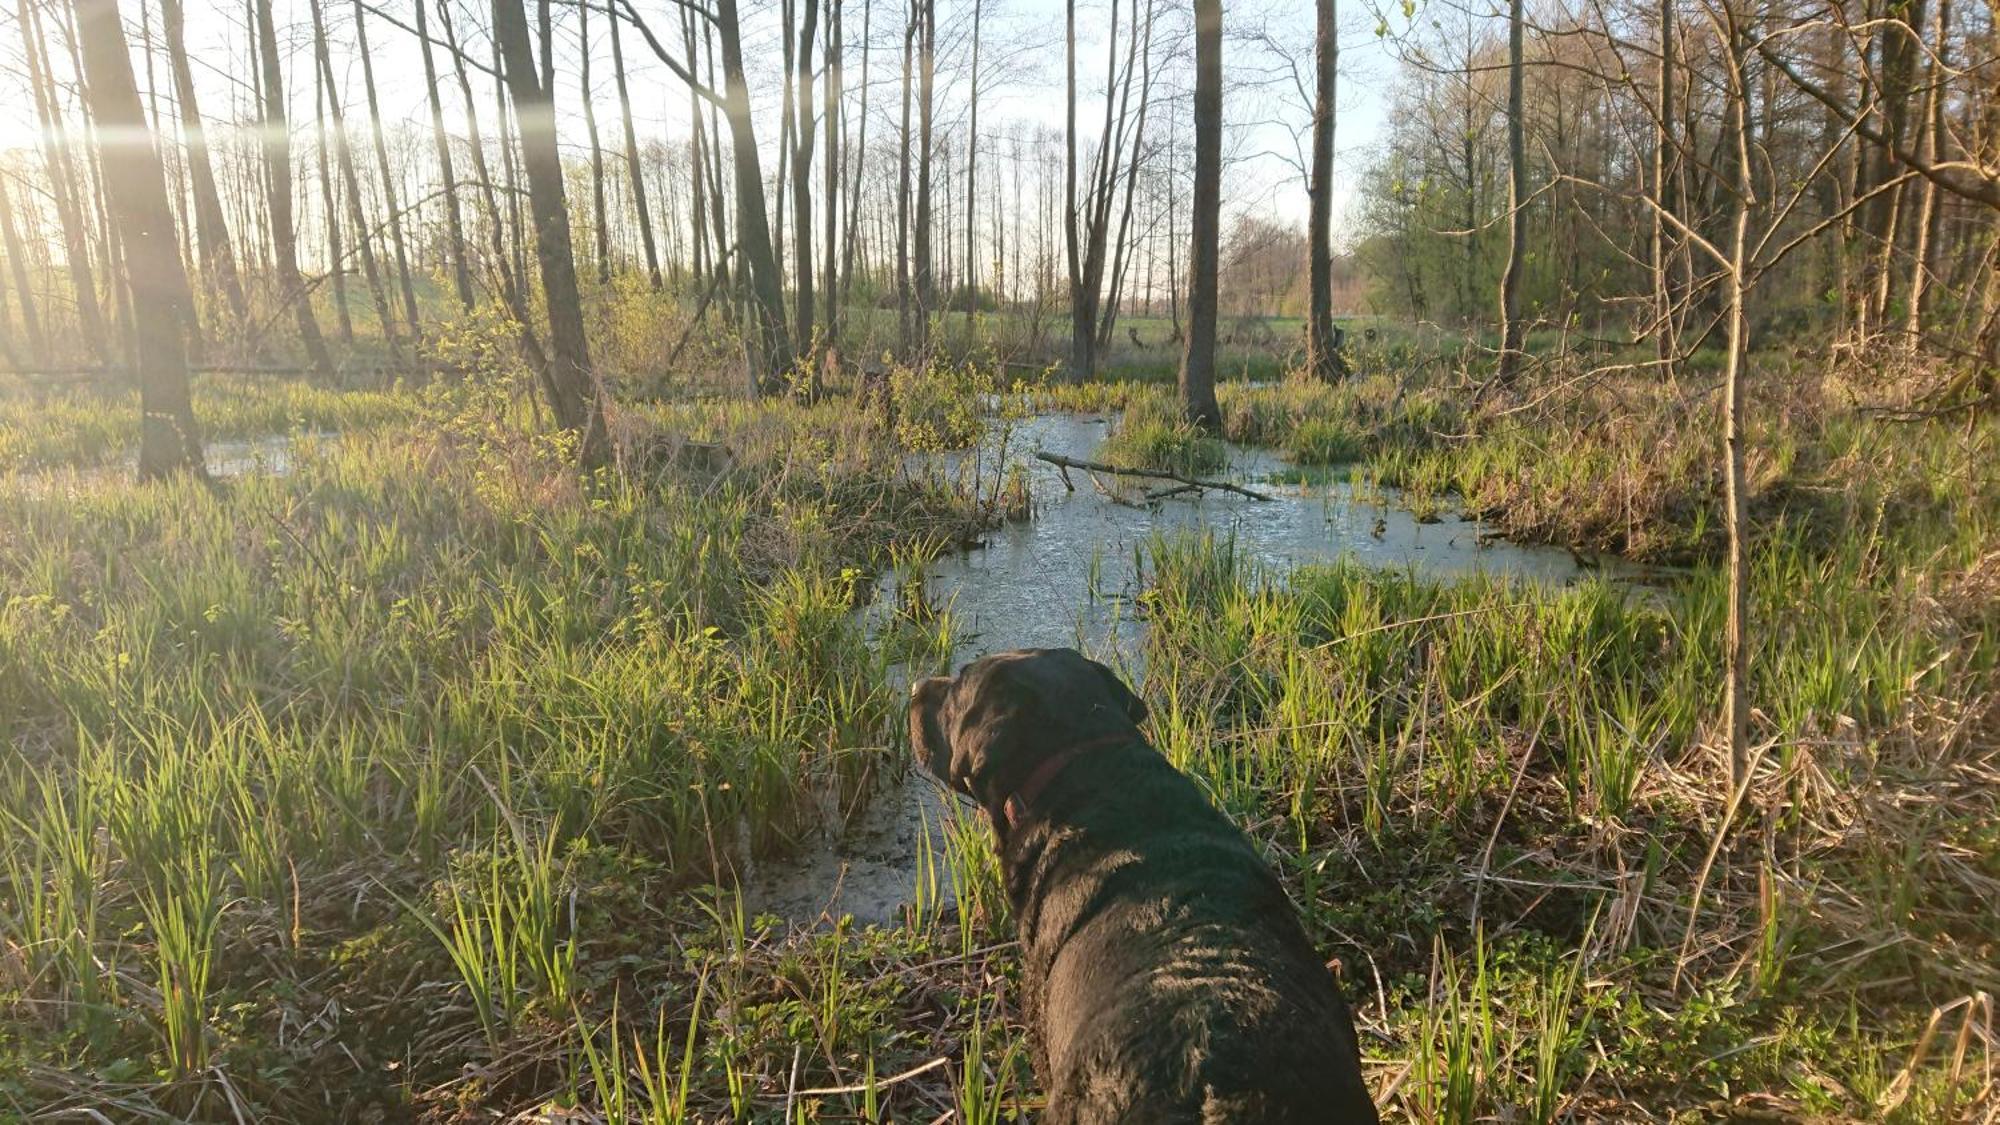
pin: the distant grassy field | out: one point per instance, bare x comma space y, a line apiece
400, 786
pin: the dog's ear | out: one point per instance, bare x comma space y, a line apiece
927, 736
1127, 699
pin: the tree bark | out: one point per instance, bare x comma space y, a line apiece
17, 264
1323, 358
1517, 202
218, 259
1736, 649
1197, 381
802, 154
63, 186
277, 146
136, 196
646, 241
391, 201
600, 220
336, 255
926, 281
971, 284
567, 378
357, 214
454, 218
772, 346
903, 310
1666, 341
836, 166
1930, 145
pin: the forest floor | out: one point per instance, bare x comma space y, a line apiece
398, 783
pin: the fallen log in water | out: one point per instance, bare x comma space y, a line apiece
1068, 463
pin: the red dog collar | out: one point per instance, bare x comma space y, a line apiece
1016, 806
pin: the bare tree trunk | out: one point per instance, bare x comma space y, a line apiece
511, 283
645, 210
568, 379
357, 215
1137, 151
277, 143
391, 202
802, 155
835, 168
1082, 296
857, 178
1517, 203
336, 256
211, 229
62, 185
503, 135
454, 217
1323, 359
971, 185
1736, 654
926, 112
600, 222
1931, 128
136, 196
910, 37
1204, 249
17, 263
1666, 343
773, 344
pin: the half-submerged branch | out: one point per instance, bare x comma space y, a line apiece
1068, 463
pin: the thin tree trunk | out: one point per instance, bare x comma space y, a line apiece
17, 264
802, 155
773, 344
62, 185
336, 256
1137, 148
600, 222
926, 282
1323, 359
136, 195
903, 310
1931, 144
1666, 344
1736, 654
378, 293
511, 294
211, 230
390, 200
971, 285
454, 218
277, 144
857, 179
567, 379
836, 167
1082, 302
1204, 249
1517, 202
632, 169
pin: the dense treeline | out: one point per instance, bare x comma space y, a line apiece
625, 173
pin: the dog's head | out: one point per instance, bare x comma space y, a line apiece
986, 730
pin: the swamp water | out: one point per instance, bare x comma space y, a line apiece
1069, 577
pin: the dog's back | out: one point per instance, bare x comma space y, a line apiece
1175, 981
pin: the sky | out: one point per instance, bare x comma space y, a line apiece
1021, 76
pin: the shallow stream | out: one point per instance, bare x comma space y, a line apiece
1069, 576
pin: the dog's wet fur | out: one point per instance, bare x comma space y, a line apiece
1168, 977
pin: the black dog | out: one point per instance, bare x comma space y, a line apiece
1168, 975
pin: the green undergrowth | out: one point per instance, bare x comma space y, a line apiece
396, 787
1497, 803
